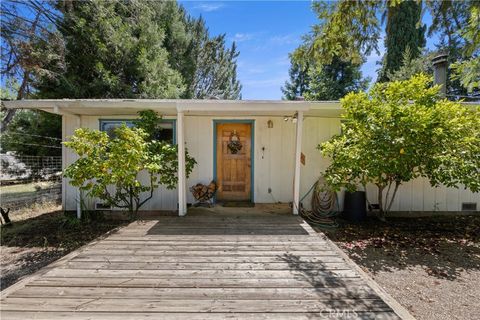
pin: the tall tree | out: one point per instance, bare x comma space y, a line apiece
359, 37
214, 65
142, 49
333, 81
315, 79
403, 32
457, 23
298, 83
30, 44
33, 133
113, 49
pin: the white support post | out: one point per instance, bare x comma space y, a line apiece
79, 192
182, 191
298, 151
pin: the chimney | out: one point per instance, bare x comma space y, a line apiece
440, 72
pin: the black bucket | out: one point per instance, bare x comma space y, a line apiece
355, 206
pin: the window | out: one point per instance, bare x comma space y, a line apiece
109, 126
165, 132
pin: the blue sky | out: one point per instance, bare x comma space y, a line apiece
265, 33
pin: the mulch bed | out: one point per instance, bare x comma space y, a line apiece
33, 243
430, 265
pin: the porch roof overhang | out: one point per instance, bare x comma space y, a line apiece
170, 107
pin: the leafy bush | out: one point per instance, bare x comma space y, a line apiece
400, 131
109, 168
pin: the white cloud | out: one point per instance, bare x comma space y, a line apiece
275, 81
283, 61
209, 7
240, 37
285, 39
255, 70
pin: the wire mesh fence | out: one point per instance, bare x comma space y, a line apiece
28, 180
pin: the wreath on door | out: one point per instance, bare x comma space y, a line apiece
234, 144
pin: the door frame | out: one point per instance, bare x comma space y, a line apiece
252, 147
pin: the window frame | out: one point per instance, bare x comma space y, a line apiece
102, 122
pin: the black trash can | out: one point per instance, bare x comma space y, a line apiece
355, 206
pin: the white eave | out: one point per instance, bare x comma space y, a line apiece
170, 107
101, 107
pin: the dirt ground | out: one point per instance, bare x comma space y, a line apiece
40, 235
429, 265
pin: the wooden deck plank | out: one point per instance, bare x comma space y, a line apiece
253, 266
109, 265
325, 293
207, 241
185, 305
206, 252
215, 238
15, 315
192, 247
205, 259
230, 274
197, 282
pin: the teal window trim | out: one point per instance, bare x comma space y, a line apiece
252, 153
103, 122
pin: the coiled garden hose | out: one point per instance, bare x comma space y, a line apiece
324, 205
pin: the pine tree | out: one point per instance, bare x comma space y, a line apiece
402, 32
214, 72
113, 49
313, 79
333, 81
140, 49
297, 85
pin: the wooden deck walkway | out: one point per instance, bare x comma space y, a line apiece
202, 266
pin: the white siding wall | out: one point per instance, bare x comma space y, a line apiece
274, 166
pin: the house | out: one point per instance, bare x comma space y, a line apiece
278, 160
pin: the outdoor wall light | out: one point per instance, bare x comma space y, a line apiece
270, 124
293, 119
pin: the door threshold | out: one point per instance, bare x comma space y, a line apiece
238, 204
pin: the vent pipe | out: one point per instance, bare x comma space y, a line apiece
440, 64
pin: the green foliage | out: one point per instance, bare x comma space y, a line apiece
214, 72
298, 82
111, 168
403, 32
468, 73
33, 133
400, 131
317, 79
334, 81
113, 49
140, 49
351, 30
30, 44
348, 30
412, 66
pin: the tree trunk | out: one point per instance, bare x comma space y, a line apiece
22, 90
7, 119
5, 217
381, 214
131, 211
397, 184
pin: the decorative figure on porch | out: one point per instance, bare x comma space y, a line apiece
204, 194
234, 145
